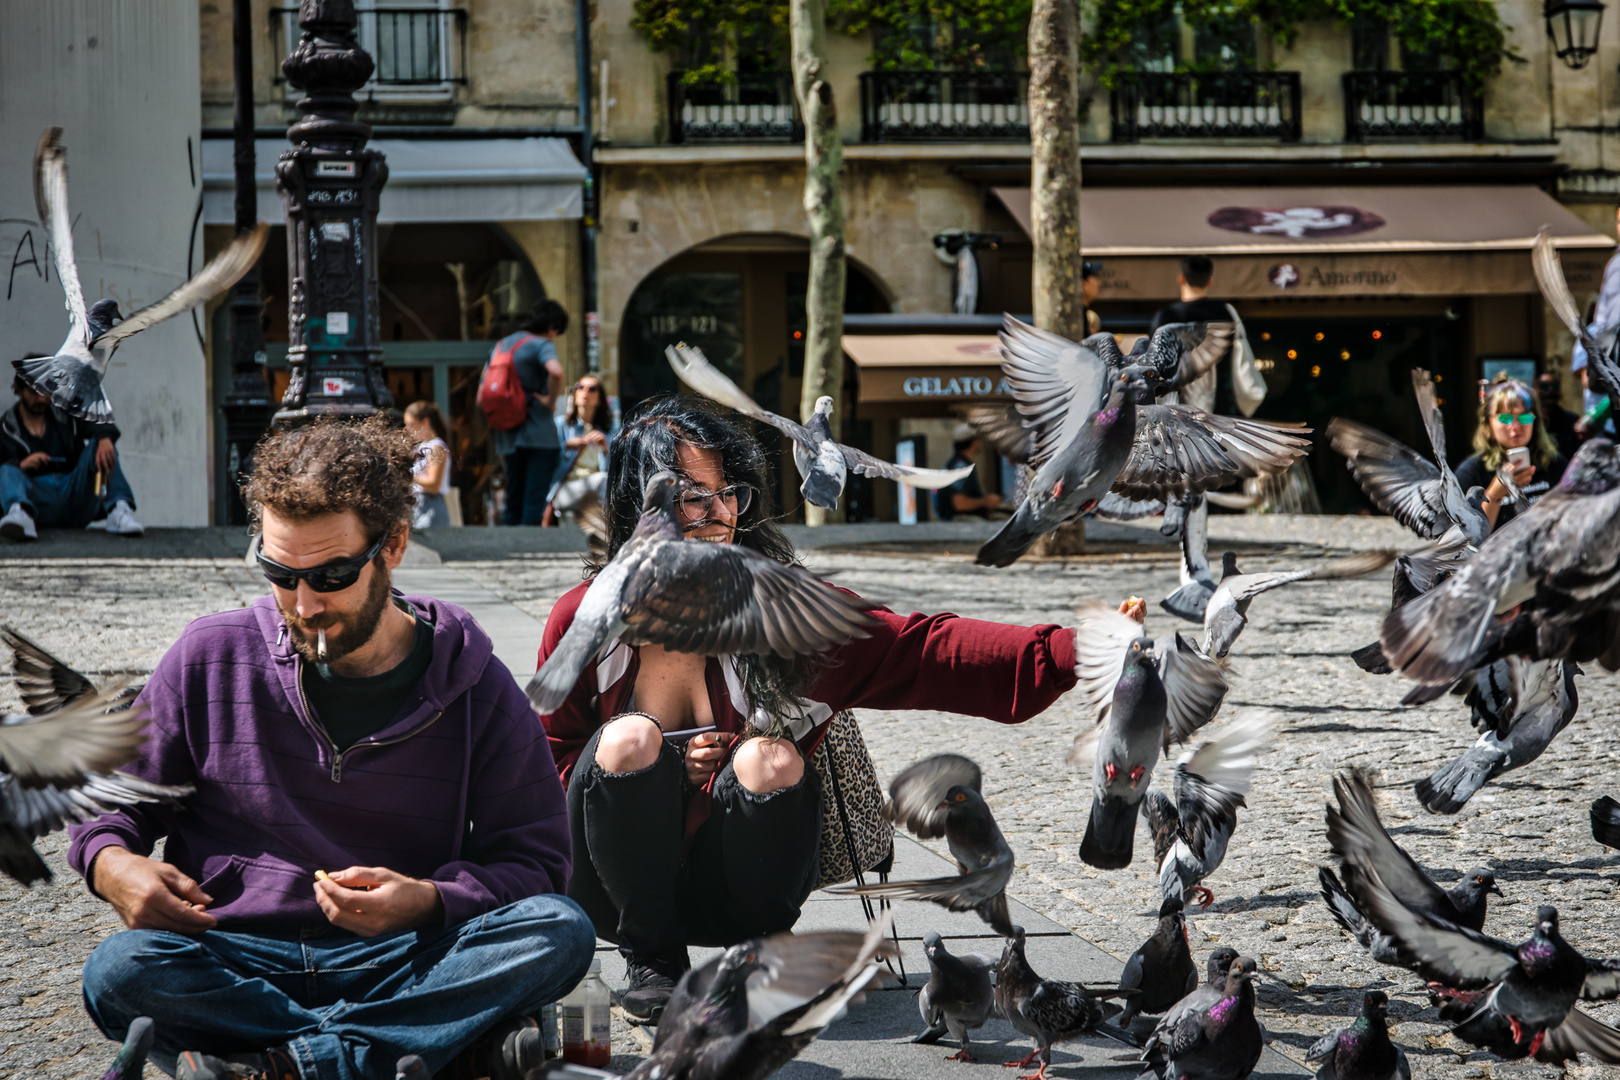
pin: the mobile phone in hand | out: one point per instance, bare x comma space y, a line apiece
1517, 456
686, 734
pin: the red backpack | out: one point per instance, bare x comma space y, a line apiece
500, 395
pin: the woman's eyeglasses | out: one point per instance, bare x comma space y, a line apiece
328, 577
697, 507
1525, 418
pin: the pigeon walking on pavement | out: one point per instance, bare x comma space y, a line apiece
698, 597
131, 1057
1220, 1041
1361, 1050
1519, 707
1161, 971
823, 462
939, 796
1143, 702
1191, 830
959, 996
1605, 814
1216, 967
72, 378
1048, 1010
1228, 610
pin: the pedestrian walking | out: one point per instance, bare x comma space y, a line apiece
430, 473
530, 449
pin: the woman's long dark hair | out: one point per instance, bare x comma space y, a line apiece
601, 419
646, 444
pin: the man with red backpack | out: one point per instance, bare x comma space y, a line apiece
526, 440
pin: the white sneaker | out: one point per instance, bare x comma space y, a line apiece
18, 524
121, 521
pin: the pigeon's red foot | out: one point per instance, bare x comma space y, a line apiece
1136, 775
1110, 770
1517, 1029
1469, 997
1057, 490
1205, 897
1023, 1062
961, 1055
1535, 1043
1038, 1074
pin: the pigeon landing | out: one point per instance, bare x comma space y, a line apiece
939, 796
1519, 707
824, 463
1228, 610
756, 1006
1146, 695
958, 997
72, 378
692, 596
1362, 1050
1191, 832
1047, 1010
1161, 971
1220, 1041
57, 762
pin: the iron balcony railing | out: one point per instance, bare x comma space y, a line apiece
1206, 105
412, 47
1426, 105
756, 107
979, 106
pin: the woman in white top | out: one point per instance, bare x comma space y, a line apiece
585, 432
431, 472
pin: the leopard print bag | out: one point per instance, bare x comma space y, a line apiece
855, 836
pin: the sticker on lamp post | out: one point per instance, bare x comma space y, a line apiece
337, 323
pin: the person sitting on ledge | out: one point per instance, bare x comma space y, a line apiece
48, 467
373, 861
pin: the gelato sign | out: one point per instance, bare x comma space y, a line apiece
1296, 222
945, 386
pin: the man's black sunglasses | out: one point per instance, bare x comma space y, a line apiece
328, 577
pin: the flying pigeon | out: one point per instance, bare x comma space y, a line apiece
1191, 831
1519, 707
754, 1007
1047, 1010
1176, 353
1096, 428
1603, 367
1422, 495
1544, 586
1191, 599
1361, 1050
1228, 610
1161, 971
958, 997
1415, 573
939, 796
1606, 821
72, 378
131, 1057
1221, 1041
698, 597
823, 462
1146, 695
57, 761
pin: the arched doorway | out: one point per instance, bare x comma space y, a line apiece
741, 300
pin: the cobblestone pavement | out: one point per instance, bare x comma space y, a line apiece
115, 616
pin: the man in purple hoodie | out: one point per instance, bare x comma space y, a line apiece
375, 858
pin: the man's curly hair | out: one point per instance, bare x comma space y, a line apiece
330, 466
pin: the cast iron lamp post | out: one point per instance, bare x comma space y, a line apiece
1573, 26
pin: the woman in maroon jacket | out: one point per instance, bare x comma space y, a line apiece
716, 842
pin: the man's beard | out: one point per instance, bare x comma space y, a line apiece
356, 627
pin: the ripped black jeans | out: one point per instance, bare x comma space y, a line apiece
750, 867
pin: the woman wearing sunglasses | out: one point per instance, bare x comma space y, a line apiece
712, 839
1510, 419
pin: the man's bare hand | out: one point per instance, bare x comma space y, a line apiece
150, 895
106, 456
373, 900
34, 462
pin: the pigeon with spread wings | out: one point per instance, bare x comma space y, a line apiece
72, 378
1603, 365
697, 597
1177, 353
939, 796
823, 462
1227, 612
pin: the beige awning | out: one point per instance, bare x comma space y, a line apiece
927, 372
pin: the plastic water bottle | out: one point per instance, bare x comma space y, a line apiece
587, 1024
551, 1030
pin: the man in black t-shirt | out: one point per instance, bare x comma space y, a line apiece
965, 496
1195, 305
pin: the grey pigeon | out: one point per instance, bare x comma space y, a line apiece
1422, 495
1605, 814
1191, 831
753, 1008
1161, 971
57, 762
1221, 1041
1217, 964
823, 462
1228, 610
72, 378
1415, 573
696, 597
959, 996
1191, 599
1545, 586
131, 1057
1361, 1050
412, 1067
939, 796
1047, 1010
1176, 353
1602, 364
1519, 707
1144, 701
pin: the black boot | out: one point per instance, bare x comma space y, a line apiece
652, 981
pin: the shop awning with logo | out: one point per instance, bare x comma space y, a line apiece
1327, 241
924, 374
429, 180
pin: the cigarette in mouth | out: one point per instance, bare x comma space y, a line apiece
320, 645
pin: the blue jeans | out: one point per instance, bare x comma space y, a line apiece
64, 500
346, 1007
529, 470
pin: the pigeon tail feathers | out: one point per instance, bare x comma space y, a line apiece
1452, 785
73, 386
1012, 540
18, 859
131, 1057
1110, 834
1189, 602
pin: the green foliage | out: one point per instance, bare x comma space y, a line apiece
938, 35
1468, 32
711, 39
